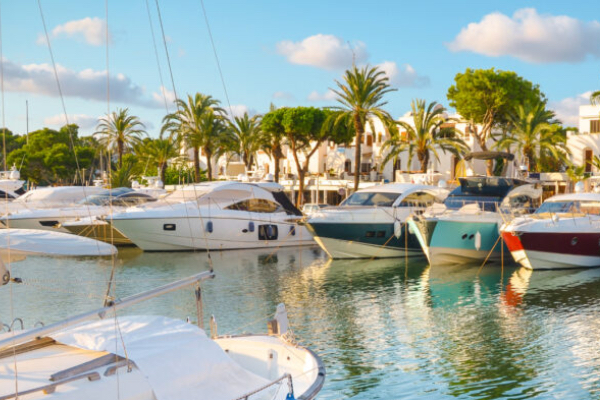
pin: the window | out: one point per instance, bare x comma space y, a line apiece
379, 199
589, 154
347, 166
365, 167
369, 141
595, 126
418, 199
256, 205
379, 137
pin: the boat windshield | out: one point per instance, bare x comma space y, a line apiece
104, 198
488, 192
571, 207
378, 199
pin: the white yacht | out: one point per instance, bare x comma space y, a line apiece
371, 223
100, 202
154, 357
224, 215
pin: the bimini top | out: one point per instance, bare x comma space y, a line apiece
390, 194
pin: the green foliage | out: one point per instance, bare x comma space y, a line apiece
489, 96
425, 136
49, 157
198, 122
361, 97
120, 131
245, 138
123, 175
535, 134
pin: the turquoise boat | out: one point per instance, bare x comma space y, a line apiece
466, 228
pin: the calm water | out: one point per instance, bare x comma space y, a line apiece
385, 330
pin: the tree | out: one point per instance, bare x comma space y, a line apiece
534, 134
488, 97
190, 121
424, 136
247, 134
120, 131
361, 97
595, 97
160, 151
271, 137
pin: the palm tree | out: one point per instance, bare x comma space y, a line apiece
595, 97
272, 135
535, 134
247, 132
120, 130
361, 96
160, 151
189, 122
424, 136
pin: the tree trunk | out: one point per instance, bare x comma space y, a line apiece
163, 172
197, 164
120, 150
277, 159
208, 164
359, 133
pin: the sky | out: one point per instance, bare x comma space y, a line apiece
286, 53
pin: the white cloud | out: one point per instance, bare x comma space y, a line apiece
531, 37
323, 51
84, 121
283, 96
238, 110
86, 84
327, 96
567, 110
159, 98
91, 30
405, 76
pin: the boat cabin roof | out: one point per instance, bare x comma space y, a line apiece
574, 197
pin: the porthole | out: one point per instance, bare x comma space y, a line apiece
574, 241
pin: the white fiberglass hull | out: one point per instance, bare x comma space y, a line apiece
337, 248
180, 233
449, 256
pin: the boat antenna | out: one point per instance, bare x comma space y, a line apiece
2, 89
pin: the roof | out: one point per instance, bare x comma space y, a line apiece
575, 197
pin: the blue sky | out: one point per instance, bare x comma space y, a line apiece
282, 52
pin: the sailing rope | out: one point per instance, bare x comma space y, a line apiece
212, 42
163, 87
166, 48
9, 267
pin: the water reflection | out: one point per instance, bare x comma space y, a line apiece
385, 329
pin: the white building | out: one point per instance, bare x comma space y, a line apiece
585, 144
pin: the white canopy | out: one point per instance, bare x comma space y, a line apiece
20, 242
178, 360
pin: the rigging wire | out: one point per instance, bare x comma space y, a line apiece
60, 92
212, 42
162, 29
160, 75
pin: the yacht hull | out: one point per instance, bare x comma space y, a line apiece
447, 241
215, 233
554, 250
364, 240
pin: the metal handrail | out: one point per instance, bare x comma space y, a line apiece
268, 385
101, 312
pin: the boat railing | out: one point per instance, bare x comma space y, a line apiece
114, 306
269, 385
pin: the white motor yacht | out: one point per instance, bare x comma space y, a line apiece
102, 202
371, 223
223, 215
563, 233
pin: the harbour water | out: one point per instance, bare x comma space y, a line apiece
385, 329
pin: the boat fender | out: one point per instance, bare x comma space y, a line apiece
292, 230
209, 226
397, 229
290, 396
250, 226
477, 241
270, 231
